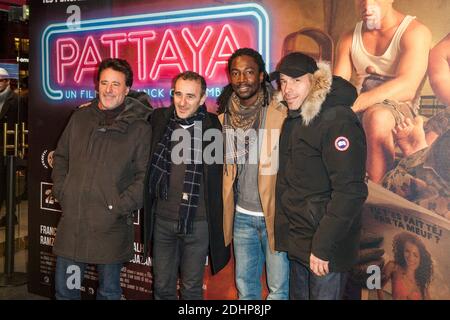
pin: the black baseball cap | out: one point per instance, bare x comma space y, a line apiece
294, 65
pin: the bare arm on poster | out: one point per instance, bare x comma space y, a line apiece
388, 270
415, 45
427, 294
439, 70
343, 66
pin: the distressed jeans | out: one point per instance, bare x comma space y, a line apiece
251, 251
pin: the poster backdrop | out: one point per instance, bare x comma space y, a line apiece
392, 220
161, 39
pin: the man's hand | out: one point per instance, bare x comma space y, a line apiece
318, 267
372, 81
359, 105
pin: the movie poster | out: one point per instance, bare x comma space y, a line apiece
409, 245
408, 204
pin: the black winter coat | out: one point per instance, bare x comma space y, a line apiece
98, 177
320, 184
212, 179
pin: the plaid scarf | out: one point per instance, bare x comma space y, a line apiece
160, 169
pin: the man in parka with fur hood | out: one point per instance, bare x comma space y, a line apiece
98, 174
320, 184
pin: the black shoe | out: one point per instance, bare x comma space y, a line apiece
3, 221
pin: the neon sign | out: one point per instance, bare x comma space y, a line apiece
157, 45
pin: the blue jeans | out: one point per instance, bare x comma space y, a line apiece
305, 285
251, 251
69, 275
173, 252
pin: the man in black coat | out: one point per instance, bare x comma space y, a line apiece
8, 114
320, 185
183, 208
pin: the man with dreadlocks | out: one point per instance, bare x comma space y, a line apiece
182, 202
248, 112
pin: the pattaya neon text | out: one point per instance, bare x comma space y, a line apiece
154, 50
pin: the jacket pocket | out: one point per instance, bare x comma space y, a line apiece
110, 195
104, 220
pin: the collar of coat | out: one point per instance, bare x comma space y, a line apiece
134, 111
168, 112
321, 86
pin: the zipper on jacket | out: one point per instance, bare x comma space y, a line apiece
91, 143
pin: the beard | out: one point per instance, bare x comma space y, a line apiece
374, 20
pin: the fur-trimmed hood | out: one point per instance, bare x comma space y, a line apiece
326, 91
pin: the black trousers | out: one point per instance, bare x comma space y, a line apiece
305, 285
175, 254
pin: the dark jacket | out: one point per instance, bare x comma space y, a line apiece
8, 114
320, 186
98, 179
212, 179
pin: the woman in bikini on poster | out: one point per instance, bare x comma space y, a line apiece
410, 272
